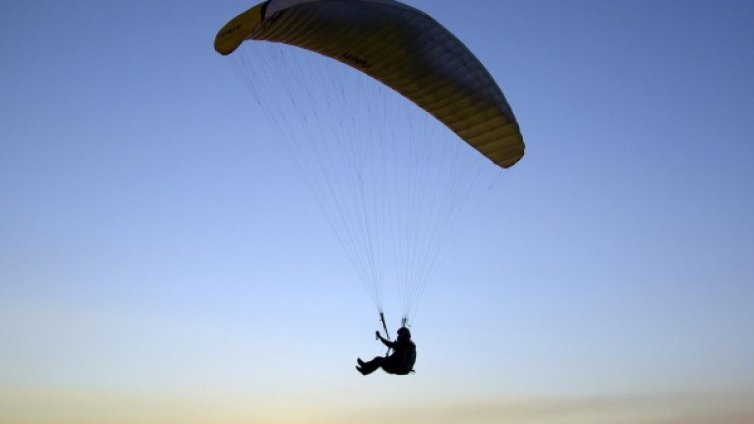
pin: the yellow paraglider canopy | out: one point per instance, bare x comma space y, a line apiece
402, 47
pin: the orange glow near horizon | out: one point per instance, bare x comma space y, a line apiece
109, 407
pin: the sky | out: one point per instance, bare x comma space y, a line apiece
161, 261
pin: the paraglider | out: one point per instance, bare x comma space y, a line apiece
400, 362
390, 187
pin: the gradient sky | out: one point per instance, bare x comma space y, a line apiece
159, 265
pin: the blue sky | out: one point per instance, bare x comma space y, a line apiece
161, 261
